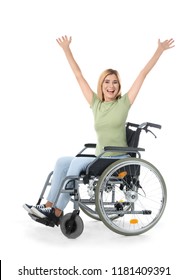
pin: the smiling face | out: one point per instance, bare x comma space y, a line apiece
110, 87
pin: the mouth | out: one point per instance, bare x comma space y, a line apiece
111, 91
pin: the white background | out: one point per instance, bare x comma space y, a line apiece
44, 116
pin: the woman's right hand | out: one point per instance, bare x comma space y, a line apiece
64, 42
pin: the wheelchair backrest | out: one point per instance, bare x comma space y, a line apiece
132, 137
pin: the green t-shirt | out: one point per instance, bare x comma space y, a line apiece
109, 122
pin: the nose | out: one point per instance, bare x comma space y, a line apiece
111, 85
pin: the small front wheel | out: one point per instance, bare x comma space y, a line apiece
71, 225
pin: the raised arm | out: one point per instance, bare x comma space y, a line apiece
162, 46
64, 43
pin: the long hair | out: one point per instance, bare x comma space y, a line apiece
103, 75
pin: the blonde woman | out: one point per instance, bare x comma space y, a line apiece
110, 110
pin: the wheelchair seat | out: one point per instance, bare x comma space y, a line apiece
97, 167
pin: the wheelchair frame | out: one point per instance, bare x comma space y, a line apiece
128, 195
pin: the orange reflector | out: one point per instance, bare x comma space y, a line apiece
122, 174
134, 221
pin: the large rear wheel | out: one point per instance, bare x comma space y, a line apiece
134, 191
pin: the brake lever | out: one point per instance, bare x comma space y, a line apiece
147, 130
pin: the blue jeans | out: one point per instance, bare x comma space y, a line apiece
66, 166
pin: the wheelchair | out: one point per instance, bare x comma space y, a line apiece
128, 195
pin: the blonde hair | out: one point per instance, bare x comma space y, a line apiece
103, 75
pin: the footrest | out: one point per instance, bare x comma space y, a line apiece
44, 221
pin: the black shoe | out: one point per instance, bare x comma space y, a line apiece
44, 213
28, 207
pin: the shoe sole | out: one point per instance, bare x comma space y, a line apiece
27, 208
36, 212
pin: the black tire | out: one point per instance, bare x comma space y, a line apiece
77, 227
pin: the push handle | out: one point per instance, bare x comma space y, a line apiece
154, 125
144, 125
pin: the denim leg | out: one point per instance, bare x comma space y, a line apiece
65, 166
77, 165
59, 173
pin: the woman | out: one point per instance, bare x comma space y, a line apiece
110, 110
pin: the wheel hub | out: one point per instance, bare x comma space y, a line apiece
131, 196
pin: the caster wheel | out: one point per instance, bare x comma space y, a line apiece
71, 225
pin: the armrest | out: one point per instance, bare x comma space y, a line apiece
123, 149
86, 146
90, 145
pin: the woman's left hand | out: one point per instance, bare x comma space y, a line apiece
165, 45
